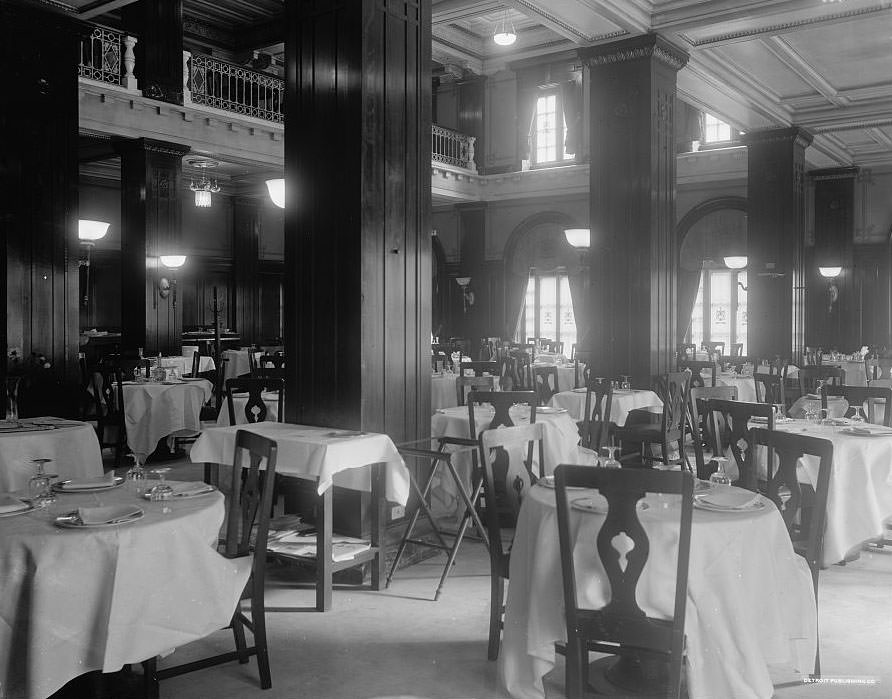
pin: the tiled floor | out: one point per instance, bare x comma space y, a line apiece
399, 643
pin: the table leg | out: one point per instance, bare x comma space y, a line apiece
378, 518
323, 551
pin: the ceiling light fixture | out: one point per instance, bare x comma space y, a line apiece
736, 261
205, 186
505, 35
276, 189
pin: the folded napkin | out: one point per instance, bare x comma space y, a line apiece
98, 482
108, 514
729, 498
8, 503
183, 489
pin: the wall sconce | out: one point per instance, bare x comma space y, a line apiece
88, 232
736, 261
467, 294
830, 272
168, 287
579, 238
276, 188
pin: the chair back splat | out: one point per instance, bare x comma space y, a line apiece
620, 626
545, 379
595, 420
501, 401
255, 409
731, 432
857, 396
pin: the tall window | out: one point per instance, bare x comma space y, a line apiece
715, 130
548, 309
720, 309
549, 130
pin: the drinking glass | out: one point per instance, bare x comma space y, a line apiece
858, 418
39, 487
780, 412
611, 461
136, 477
720, 478
824, 416
161, 493
627, 382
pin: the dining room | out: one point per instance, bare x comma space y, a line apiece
360, 396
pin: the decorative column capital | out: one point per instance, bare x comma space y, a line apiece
646, 46
796, 135
834, 173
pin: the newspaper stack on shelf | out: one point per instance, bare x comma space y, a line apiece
302, 544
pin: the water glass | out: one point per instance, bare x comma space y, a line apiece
161, 493
720, 478
40, 490
780, 412
136, 477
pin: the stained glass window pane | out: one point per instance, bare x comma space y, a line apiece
720, 319
548, 307
529, 325
741, 311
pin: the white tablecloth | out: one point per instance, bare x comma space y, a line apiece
620, 405
860, 496
270, 400
750, 598
184, 364
836, 406
443, 393
74, 450
746, 385
566, 375
96, 599
311, 452
156, 410
561, 445
238, 363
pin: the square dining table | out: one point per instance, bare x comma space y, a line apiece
351, 459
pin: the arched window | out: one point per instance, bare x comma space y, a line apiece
548, 307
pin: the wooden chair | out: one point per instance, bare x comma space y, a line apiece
247, 526
701, 426
811, 374
878, 369
271, 366
736, 349
804, 510
672, 388
712, 347
695, 367
621, 627
255, 409
494, 446
521, 371
737, 363
596, 419
438, 363
857, 396
108, 396
501, 401
252, 361
545, 379
770, 389
812, 356
685, 351
479, 368
731, 431
196, 365
474, 383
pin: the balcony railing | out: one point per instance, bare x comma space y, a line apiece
107, 56
233, 88
452, 148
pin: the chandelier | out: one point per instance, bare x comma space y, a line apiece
205, 186
505, 34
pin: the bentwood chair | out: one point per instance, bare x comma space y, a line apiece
803, 508
701, 426
731, 432
595, 427
620, 627
247, 526
672, 388
857, 396
495, 448
545, 380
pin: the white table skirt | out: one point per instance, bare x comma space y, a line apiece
155, 410
270, 400
96, 599
561, 446
746, 385
74, 450
860, 495
739, 563
443, 392
311, 452
622, 403
238, 363
184, 364
566, 375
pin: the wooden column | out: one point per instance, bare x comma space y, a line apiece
775, 241
357, 219
38, 185
633, 254
151, 225
159, 51
832, 305
245, 271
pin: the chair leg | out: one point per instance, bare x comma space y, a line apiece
576, 669
238, 634
151, 689
495, 613
258, 618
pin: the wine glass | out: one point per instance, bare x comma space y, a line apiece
780, 412
720, 477
611, 461
162, 492
136, 477
858, 418
39, 488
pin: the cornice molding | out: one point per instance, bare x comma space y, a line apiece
834, 173
635, 48
794, 134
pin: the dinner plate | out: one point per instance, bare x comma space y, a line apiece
752, 507
865, 432
60, 487
548, 482
69, 521
599, 505
548, 410
28, 507
184, 496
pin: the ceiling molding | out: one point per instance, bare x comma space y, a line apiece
101, 7
785, 53
553, 22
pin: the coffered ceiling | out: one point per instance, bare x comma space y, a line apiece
822, 64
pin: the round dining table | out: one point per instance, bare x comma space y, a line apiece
750, 600
71, 445
81, 599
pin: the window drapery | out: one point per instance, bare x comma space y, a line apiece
526, 115
571, 100
688, 283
